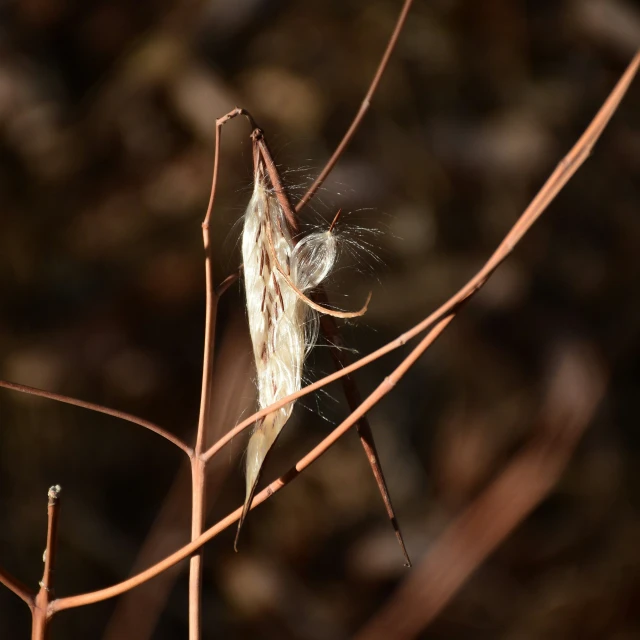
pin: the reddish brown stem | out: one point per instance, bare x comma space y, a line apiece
334, 222
364, 107
198, 464
227, 282
276, 182
16, 586
231, 397
198, 506
41, 615
58, 397
198, 493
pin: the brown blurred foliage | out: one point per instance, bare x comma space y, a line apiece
107, 112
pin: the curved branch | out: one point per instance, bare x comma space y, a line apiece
58, 397
227, 282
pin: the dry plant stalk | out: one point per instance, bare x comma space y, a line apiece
44, 606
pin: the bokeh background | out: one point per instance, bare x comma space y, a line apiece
107, 114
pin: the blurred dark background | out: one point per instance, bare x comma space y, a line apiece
107, 113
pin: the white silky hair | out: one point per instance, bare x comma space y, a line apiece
283, 328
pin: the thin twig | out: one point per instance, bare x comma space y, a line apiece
16, 586
53, 515
227, 282
58, 397
364, 107
40, 613
198, 484
198, 506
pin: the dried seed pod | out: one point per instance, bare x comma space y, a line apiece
282, 325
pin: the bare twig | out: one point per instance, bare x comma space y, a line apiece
53, 514
22, 388
364, 107
195, 566
572, 398
227, 282
198, 464
20, 589
40, 612
198, 484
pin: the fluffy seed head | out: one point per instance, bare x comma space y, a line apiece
282, 326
